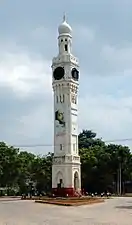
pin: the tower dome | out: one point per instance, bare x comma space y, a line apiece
64, 28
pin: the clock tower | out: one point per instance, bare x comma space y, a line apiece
66, 172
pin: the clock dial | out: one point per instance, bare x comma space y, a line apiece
58, 73
75, 74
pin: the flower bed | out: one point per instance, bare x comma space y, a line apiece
71, 202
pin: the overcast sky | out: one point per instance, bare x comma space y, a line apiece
102, 40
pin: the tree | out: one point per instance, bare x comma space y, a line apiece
8, 165
100, 164
42, 173
26, 161
88, 138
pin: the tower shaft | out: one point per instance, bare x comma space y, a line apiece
66, 172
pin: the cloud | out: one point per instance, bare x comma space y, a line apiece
101, 41
25, 98
24, 74
117, 60
84, 33
27, 103
106, 60
107, 115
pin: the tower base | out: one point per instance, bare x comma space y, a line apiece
66, 192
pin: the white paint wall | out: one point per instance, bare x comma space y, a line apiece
67, 136
67, 172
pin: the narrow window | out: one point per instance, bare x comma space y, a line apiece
63, 98
75, 99
61, 40
74, 147
60, 98
61, 147
66, 48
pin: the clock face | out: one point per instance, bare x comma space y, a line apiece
58, 73
75, 74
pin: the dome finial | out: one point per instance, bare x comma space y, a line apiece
64, 17
64, 27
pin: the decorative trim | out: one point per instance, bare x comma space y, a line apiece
74, 109
73, 114
63, 192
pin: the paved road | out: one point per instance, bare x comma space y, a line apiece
117, 211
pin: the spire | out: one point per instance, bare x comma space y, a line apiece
64, 17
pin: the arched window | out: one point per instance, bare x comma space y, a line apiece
66, 48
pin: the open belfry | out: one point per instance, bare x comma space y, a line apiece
66, 171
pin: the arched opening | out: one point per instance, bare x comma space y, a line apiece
59, 180
76, 181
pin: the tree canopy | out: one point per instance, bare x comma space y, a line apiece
100, 162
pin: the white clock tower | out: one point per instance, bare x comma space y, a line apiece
66, 173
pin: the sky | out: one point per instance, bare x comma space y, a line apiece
102, 40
